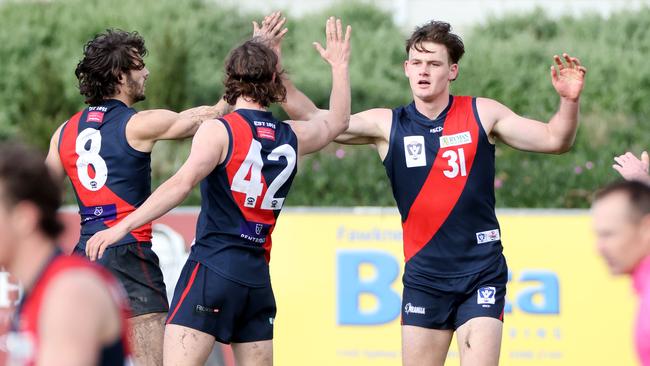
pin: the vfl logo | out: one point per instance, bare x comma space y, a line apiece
258, 228
410, 309
98, 211
488, 236
414, 151
486, 296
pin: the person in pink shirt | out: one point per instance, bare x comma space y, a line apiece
621, 221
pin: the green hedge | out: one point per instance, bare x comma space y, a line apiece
507, 59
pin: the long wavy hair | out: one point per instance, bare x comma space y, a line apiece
251, 71
107, 56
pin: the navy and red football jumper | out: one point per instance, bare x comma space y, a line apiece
111, 179
442, 176
24, 347
225, 289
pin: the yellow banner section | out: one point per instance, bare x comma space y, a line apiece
337, 282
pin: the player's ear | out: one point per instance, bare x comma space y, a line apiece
453, 72
122, 78
406, 63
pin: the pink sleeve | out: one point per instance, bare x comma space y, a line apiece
643, 329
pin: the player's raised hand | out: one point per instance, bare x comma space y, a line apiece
271, 32
568, 76
632, 168
97, 244
337, 46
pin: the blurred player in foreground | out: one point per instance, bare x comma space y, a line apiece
105, 150
72, 312
245, 162
439, 155
621, 221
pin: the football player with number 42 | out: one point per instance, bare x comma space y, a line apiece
245, 162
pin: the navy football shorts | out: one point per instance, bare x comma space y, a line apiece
447, 303
137, 268
229, 311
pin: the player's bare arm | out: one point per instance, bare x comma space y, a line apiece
368, 127
271, 33
209, 148
558, 135
53, 161
79, 320
632, 168
316, 133
147, 127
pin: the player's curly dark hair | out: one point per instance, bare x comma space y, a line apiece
437, 32
106, 57
24, 177
251, 71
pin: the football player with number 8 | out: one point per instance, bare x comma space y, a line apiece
105, 150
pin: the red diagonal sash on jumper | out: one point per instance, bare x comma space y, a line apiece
440, 192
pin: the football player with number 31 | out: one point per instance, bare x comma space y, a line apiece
245, 162
439, 152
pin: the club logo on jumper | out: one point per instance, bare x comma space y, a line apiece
488, 236
255, 232
485, 296
265, 130
410, 309
436, 129
106, 212
414, 151
462, 138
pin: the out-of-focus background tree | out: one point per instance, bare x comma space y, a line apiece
507, 58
